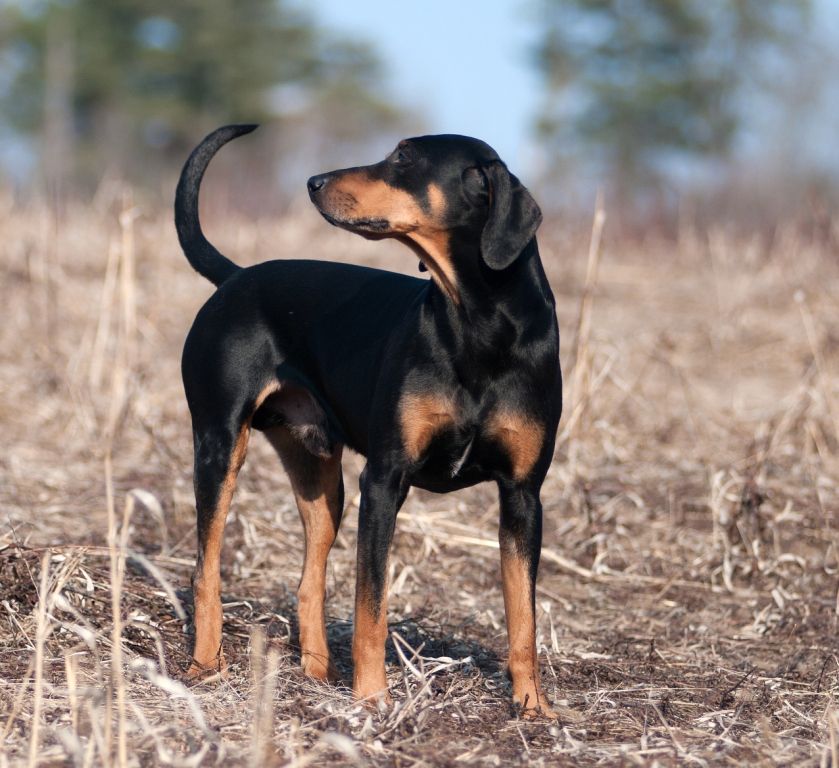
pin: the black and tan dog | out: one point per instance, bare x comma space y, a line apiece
440, 383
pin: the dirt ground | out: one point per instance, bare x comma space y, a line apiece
687, 599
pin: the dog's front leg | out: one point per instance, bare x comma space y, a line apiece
382, 494
520, 539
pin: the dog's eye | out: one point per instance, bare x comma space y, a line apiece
401, 155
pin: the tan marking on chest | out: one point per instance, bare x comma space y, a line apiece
421, 417
521, 437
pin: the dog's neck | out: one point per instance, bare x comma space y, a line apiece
483, 292
496, 309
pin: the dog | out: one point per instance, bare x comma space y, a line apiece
440, 383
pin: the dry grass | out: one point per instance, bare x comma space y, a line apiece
688, 592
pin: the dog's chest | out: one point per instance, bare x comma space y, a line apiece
449, 437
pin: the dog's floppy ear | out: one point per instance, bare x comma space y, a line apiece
513, 219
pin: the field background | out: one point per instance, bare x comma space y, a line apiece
687, 600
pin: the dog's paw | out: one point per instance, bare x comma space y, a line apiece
538, 713
318, 668
375, 700
207, 673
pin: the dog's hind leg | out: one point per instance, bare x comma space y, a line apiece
219, 454
318, 487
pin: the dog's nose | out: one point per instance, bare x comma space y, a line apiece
316, 183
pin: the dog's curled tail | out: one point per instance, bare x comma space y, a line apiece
200, 253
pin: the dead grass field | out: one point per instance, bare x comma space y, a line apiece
687, 601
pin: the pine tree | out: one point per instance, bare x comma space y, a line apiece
635, 84
127, 86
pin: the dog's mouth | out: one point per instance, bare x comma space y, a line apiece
371, 228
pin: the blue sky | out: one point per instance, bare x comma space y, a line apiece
464, 65
461, 63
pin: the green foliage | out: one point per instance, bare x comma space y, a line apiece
142, 78
635, 83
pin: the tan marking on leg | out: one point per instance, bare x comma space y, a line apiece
268, 390
521, 436
207, 654
316, 483
521, 632
421, 417
368, 647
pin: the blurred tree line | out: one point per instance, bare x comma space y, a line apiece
126, 87
639, 95
643, 90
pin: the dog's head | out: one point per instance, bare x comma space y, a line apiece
450, 198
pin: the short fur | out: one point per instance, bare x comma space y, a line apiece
440, 383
